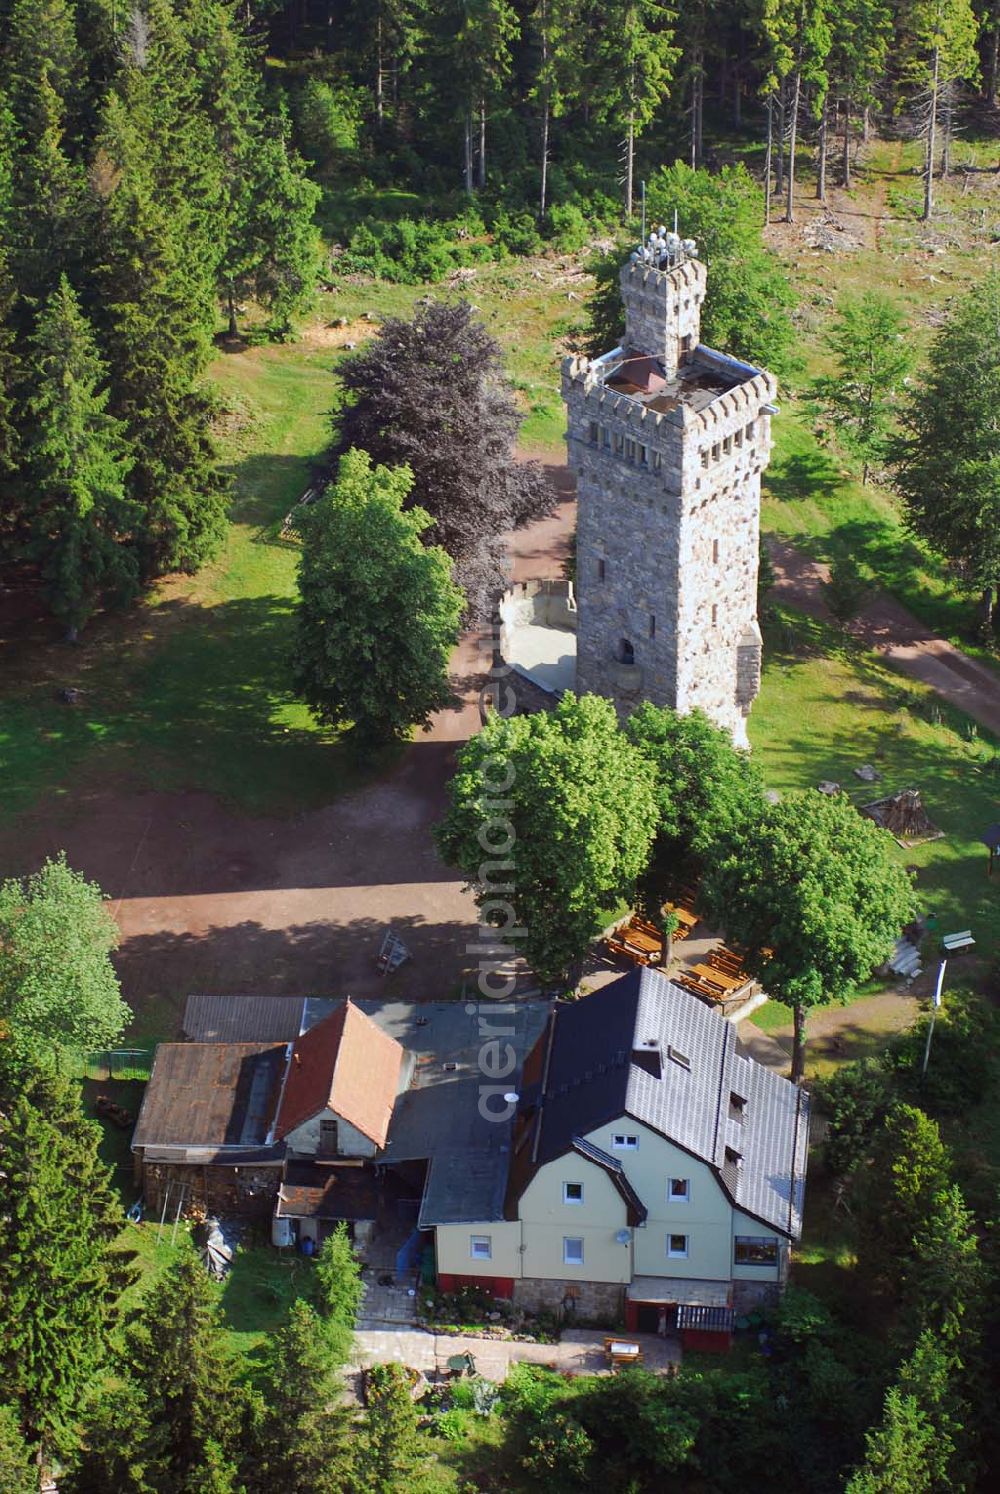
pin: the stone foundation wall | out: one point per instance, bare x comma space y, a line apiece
748, 1295
584, 1299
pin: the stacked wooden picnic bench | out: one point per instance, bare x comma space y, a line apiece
720, 979
637, 940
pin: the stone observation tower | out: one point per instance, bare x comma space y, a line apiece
667, 440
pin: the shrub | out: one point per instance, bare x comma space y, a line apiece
558, 1452
858, 1098
516, 232
961, 1065
567, 227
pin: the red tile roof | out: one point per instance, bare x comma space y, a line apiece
346, 1065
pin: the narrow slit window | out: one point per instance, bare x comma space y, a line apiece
704, 456
715, 614
657, 461
601, 570
595, 431
715, 551
652, 625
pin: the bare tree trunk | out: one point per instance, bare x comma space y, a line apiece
947, 131
798, 1044
987, 617
821, 162
234, 331
697, 95
846, 163
378, 68
737, 98
545, 155
790, 201
767, 159
779, 175
866, 126
629, 166
992, 96
482, 143
468, 151
931, 141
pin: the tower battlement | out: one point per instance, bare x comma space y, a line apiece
668, 440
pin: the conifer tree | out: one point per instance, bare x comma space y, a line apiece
74, 466
940, 49
280, 244
867, 338
18, 1468
339, 1289
557, 26
302, 1443
947, 458
9, 434
633, 66
388, 1448
178, 1360
60, 1276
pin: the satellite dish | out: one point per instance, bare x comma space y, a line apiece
623, 1236
673, 241
634, 256
662, 229
690, 246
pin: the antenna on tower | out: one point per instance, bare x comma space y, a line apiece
643, 186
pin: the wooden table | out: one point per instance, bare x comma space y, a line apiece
712, 977
622, 1351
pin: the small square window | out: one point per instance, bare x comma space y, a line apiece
572, 1193
625, 1143
677, 1247
678, 1190
572, 1252
480, 1247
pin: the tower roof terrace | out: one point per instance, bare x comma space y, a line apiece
703, 377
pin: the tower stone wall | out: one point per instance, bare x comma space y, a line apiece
668, 493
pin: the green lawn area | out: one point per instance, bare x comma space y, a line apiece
827, 707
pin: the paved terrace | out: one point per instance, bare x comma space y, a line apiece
580, 1351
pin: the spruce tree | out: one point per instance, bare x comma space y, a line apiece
339, 1289
60, 1276
74, 466
178, 1360
18, 1468
302, 1443
388, 1446
278, 240
947, 459
867, 338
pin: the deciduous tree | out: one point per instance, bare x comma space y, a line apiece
379, 612
432, 393
812, 891
574, 832
59, 994
873, 358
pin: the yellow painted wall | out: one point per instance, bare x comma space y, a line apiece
454, 1253
744, 1225
548, 1221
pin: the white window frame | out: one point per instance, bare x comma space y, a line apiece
572, 1260
678, 1198
678, 1255
575, 1202
481, 1240
625, 1141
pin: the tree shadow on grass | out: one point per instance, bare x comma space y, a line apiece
804, 474
267, 486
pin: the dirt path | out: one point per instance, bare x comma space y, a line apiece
835, 1033
885, 626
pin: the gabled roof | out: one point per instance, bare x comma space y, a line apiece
348, 1066
592, 1080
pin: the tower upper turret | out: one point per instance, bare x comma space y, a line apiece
663, 308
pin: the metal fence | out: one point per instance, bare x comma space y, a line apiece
119, 1063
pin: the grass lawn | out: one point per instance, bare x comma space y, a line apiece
826, 707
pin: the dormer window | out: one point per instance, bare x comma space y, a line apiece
737, 1107
679, 1058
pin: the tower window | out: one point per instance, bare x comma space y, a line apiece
727, 445
630, 450
652, 625
595, 431
686, 344
600, 570
715, 614
657, 461
626, 653
619, 443
715, 551
644, 455
605, 436
716, 452
704, 456
738, 438
749, 431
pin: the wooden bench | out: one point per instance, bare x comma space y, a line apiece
957, 943
621, 1351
